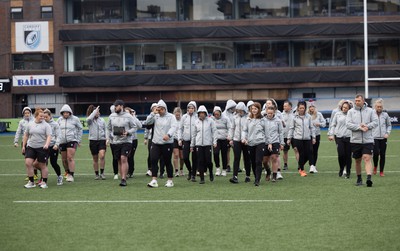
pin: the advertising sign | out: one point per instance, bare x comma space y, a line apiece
31, 36
33, 80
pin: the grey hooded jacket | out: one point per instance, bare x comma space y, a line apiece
163, 125
356, 116
301, 128
384, 126
287, 118
97, 127
222, 124
253, 131
55, 131
337, 126
122, 119
21, 128
235, 132
273, 131
186, 125
321, 120
204, 133
70, 128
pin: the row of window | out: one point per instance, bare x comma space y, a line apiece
116, 11
46, 12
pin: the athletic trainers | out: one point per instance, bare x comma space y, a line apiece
381, 174
40, 182
115, 176
60, 180
369, 183
279, 176
103, 176
123, 183
302, 173
148, 173
375, 169
359, 183
217, 171
285, 167
97, 177
153, 183
70, 178
43, 185
234, 180
228, 169
30, 185
344, 173
247, 179
176, 174
223, 173
313, 169
169, 183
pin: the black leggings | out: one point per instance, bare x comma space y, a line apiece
204, 161
304, 147
53, 156
222, 146
238, 148
191, 166
131, 157
343, 146
158, 152
315, 148
380, 151
256, 154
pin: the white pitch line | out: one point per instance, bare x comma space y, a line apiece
146, 201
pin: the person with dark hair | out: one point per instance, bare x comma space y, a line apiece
97, 140
381, 134
69, 139
120, 128
53, 151
302, 135
185, 132
287, 117
319, 122
203, 139
162, 142
35, 145
131, 158
253, 135
235, 140
361, 120
223, 124
178, 152
341, 135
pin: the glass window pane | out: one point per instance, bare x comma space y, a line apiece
255, 9
32, 61
156, 10
320, 53
217, 55
262, 54
150, 57
212, 9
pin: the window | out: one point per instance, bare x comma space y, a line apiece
262, 55
47, 11
32, 61
16, 13
257, 9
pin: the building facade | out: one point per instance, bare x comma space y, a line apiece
93, 52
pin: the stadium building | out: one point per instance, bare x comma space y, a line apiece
85, 52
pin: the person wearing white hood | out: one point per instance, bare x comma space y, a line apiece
69, 139
185, 132
235, 140
229, 113
223, 125
27, 117
162, 142
203, 139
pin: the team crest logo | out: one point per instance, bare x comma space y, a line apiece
32, 36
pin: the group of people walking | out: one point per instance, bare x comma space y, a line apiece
257, 132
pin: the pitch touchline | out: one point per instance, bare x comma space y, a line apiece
147, 201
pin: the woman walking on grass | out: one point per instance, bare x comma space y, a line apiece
319, 122
222, 124
35, 145
302, 134
338, 131
97, 140
177, 152
131, 158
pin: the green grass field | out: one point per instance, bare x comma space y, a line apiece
318, 212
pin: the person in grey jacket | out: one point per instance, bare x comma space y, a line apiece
120, 128
203, 139
361, 120
229, 112
319, 122
69, 139
162, 142
53, 151
131, 158
302, 135
274, 141
287, 117
253, 135
235, 140
339, 132
97, 140
381, 134
223, 124
148, 134
185, 132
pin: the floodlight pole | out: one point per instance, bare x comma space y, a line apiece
365, 49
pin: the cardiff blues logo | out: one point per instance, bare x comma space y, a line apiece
32, 36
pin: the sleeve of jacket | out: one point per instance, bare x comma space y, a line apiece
214, 132
312, 129
79, 128
231, 130
280, 130
89, 119
18, 133
132, 125
388, 125
194, 135
57, 132
374, 121
174, 126
322, 120
291, 128
332, 126
245, 130
180, 128
150, 119
109, 129
349, 122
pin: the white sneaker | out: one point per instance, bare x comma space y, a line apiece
153, 183
312, 169
43, 185
149, 173
315, 169
176, 174
116, 177
70, 178
223, 173
218, 172
344, 173
30, 185
60, 180
103, 176
279, 176
40, 183
169, 183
